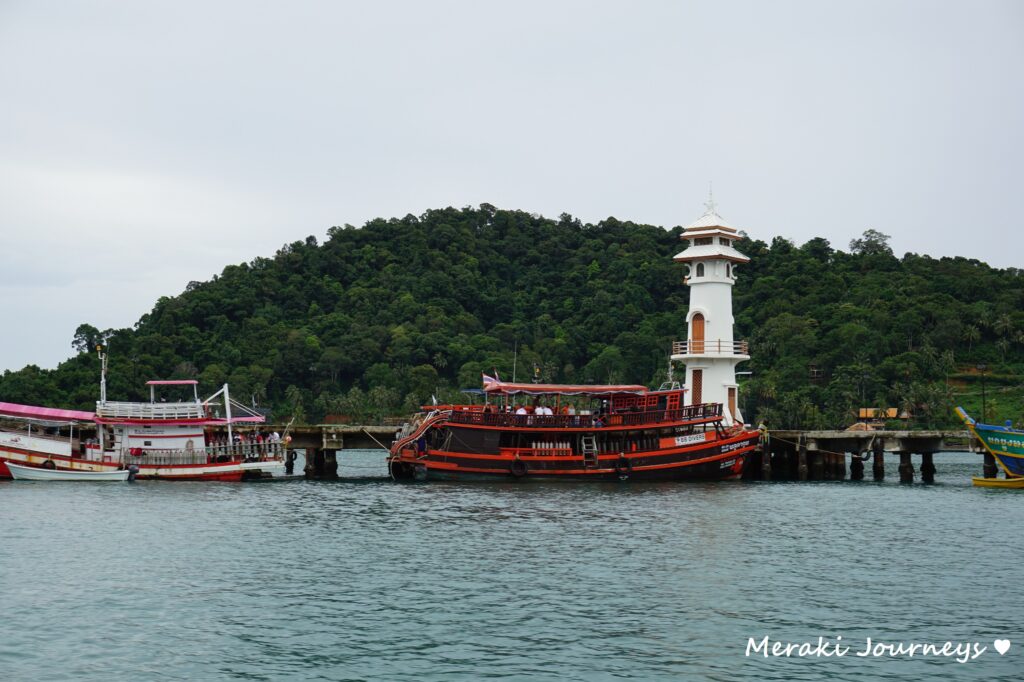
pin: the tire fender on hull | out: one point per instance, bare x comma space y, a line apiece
518, 468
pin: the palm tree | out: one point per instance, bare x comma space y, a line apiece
971, 334
1003, 344
1003, 325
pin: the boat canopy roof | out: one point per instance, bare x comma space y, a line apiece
47, 413
503, 388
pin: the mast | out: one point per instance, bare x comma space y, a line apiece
103, 373
227, 412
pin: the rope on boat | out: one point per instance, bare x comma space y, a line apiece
383, 447
827, 452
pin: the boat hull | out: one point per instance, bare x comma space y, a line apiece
719, 460
1009, 483
28, 473
212, 471
1005, 444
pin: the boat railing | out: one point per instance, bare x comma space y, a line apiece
264, 450
126, 410
710, 347
687, 413
208, 455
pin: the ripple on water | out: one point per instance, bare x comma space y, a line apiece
375, 580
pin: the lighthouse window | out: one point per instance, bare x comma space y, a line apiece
703, 241
728, 270
700, 269
724, 242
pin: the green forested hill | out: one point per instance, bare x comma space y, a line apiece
379, 318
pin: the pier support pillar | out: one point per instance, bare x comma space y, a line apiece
856, 467
878, 460
841, 466
927, 468
784, 468
314, 463
989, 470
817, 464
801, 459
766, 464
906, 468
330, 464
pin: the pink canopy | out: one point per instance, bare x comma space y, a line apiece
503, 388
172, 382
51, 413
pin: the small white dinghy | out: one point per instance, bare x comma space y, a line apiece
24, 473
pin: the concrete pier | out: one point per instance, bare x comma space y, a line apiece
801, 462
927, 467
856, 467
989, 470
823, 455
766, 465
878, 460
906, 468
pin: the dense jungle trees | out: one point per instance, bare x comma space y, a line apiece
378, 319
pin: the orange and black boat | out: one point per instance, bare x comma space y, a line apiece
553, 431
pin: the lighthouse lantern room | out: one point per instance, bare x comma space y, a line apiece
710, 353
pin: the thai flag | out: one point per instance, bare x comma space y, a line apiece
488, 380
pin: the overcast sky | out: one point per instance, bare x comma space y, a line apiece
147, 144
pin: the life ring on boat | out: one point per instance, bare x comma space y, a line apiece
623, 467
49, 464
518, 468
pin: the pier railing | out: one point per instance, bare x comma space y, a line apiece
587, 421
715, 347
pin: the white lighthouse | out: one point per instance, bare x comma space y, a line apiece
710, 352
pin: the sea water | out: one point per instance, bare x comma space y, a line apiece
370, 579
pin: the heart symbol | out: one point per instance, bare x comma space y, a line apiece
1001, 645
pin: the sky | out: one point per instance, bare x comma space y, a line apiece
147, 145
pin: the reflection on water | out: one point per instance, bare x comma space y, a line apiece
375, 580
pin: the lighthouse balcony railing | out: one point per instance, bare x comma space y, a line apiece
706, 347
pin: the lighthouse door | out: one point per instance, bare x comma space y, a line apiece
697, 334
696, 390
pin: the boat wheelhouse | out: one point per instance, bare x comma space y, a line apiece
592, 432
176, 440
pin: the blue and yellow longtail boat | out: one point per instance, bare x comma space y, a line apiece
1005, 444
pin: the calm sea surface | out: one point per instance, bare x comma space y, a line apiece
375, 580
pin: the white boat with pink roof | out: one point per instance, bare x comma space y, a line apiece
176, 440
